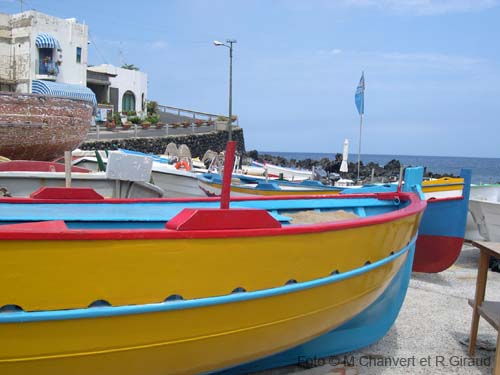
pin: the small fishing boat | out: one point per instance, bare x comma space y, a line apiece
113, 286
242, 185
442, 230
276, 171
22, 178
176, 180
484, 207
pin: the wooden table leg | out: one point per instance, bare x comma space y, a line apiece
482, 275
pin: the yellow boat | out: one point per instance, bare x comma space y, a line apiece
180, 287
444, 187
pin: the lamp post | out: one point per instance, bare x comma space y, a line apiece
230, 119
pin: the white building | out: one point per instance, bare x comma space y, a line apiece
125, 89
44, 55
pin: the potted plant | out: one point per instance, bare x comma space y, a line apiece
116, 118
110, 125
126, 125
199, 123
186, 124
134, 119
145, 124
175, 125
155, 120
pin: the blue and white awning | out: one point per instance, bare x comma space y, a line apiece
47, 41
63, 89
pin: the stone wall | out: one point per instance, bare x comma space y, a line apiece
197, 143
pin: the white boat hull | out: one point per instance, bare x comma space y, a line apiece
483, 222
276, 171
22, 184
174, 182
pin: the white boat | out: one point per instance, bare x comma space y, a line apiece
176, 182
290, 174
484, 213
24, 183
126, 177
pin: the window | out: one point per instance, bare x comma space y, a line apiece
46, 65
79, 55
128, 101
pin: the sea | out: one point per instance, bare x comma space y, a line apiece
484, 170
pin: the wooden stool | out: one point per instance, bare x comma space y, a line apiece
489, 310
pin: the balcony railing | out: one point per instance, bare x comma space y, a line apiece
48, 68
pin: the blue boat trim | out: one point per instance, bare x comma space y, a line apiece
38, 316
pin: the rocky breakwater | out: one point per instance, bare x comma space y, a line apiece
197, 143
38, 127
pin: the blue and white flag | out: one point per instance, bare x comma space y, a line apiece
359, 97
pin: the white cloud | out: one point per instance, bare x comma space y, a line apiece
424, 7
336, 51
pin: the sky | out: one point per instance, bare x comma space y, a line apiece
431, 67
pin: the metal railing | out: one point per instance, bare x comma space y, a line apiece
175, 121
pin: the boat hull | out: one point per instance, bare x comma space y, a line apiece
228, 330
436, 253
179, 266
50, 126
277, 171
486, 215
211, 185
22, 184
477, 225
364, 329
442, 229
175, 183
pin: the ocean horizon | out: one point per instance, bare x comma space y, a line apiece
484, 170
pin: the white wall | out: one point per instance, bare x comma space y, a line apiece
5, 48
24, 29
127, 80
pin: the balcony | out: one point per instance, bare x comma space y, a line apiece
46, 70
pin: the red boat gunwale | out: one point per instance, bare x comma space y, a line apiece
436, 200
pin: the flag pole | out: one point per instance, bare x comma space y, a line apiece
359, 145
359, 100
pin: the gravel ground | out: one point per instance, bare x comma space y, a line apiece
431, 332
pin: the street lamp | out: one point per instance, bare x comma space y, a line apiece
230, 46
